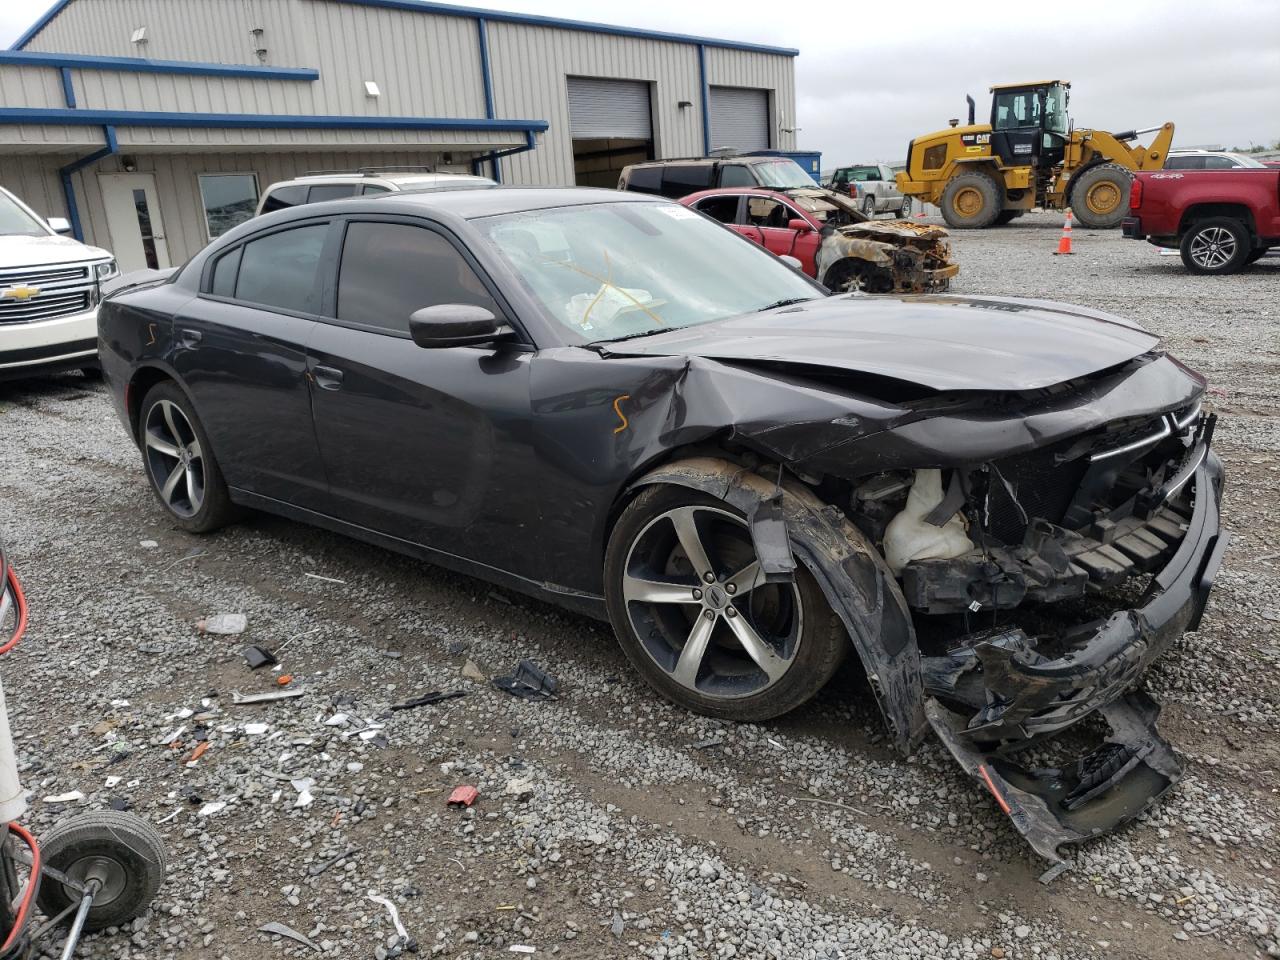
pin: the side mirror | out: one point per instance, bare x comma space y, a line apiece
792, 262
800, 226
455, 325
59, 225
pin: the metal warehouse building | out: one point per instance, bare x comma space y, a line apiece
153, 125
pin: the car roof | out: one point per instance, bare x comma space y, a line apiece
496, 201
403, 176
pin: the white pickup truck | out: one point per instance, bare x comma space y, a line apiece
49, 290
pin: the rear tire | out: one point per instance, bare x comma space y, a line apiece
1100, 196
1006, 216
798, 639
869, 206
972, 201
179, 461
905, 210
1218, 246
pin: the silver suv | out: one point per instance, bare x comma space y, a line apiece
334, 185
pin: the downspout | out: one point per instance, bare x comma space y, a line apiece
706, 100
69, 191
487, 74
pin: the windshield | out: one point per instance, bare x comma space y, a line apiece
16, 222
1246, 161
613, 270
782, 173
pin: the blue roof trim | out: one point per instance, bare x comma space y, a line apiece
27, 58
40, 24
140, 118
587, 26
498, 16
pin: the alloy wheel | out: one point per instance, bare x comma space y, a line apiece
1213, 247
701, 609
175, 458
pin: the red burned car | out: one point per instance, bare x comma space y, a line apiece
835, 242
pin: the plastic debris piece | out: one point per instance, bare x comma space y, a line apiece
1054, 872
472, 671
196, 754
617, 926
120, 804
521, 948
303, 785
227, 624
318, 868
112, 781
256, 729
284, 680
279, 929
707, 743
257, 656
428, 698
209, 809
74, 796
337, 720
316, 576
245, 699
409, 943
463, 796
148, 544
528, 681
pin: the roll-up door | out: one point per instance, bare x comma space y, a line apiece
739, 118
609, 109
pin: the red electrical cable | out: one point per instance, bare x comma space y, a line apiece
20, 600
33, 885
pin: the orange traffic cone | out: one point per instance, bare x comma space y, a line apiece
1064, 245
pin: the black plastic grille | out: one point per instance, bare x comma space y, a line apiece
1043, 487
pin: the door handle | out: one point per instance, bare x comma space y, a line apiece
327, 378
190, 338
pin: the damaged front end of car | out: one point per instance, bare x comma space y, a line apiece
1046, 560
894, 256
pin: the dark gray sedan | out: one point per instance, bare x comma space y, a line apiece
1006, 509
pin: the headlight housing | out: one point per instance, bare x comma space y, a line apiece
105, 270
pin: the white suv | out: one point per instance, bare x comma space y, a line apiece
49, 291
1209, 160
368, 180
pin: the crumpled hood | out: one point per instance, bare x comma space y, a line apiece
38, 251
939, 342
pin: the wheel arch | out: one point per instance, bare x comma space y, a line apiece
1206, 211
144, 378
851, 573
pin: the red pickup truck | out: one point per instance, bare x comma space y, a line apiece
1220, 220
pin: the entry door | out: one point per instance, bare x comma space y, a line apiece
134, 221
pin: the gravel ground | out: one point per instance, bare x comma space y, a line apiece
601, 829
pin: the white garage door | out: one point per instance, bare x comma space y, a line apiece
739, 118
609, 109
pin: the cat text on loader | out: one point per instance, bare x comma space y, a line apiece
1028, 156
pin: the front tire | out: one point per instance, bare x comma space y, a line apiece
179, 461
1100, 196
858, 276
972, 201
694, 616
1219, 245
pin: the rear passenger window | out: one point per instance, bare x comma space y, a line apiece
223, 283
737, 175
645, 179
680, 180
371, 188
284, 198
389, 270
331, 191
282, 270
1218, 163
724, 209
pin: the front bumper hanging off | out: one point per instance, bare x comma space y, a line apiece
1025, 697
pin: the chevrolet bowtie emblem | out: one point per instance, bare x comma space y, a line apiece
23, 292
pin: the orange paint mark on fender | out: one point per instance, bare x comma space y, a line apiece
621, 416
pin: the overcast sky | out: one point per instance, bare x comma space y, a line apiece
866, 84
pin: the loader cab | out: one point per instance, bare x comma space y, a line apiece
1029, 123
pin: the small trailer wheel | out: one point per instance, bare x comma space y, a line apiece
119, 850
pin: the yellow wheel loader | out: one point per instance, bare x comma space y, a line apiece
1029, 155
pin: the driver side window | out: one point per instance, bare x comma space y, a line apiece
767, 213
389, 270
